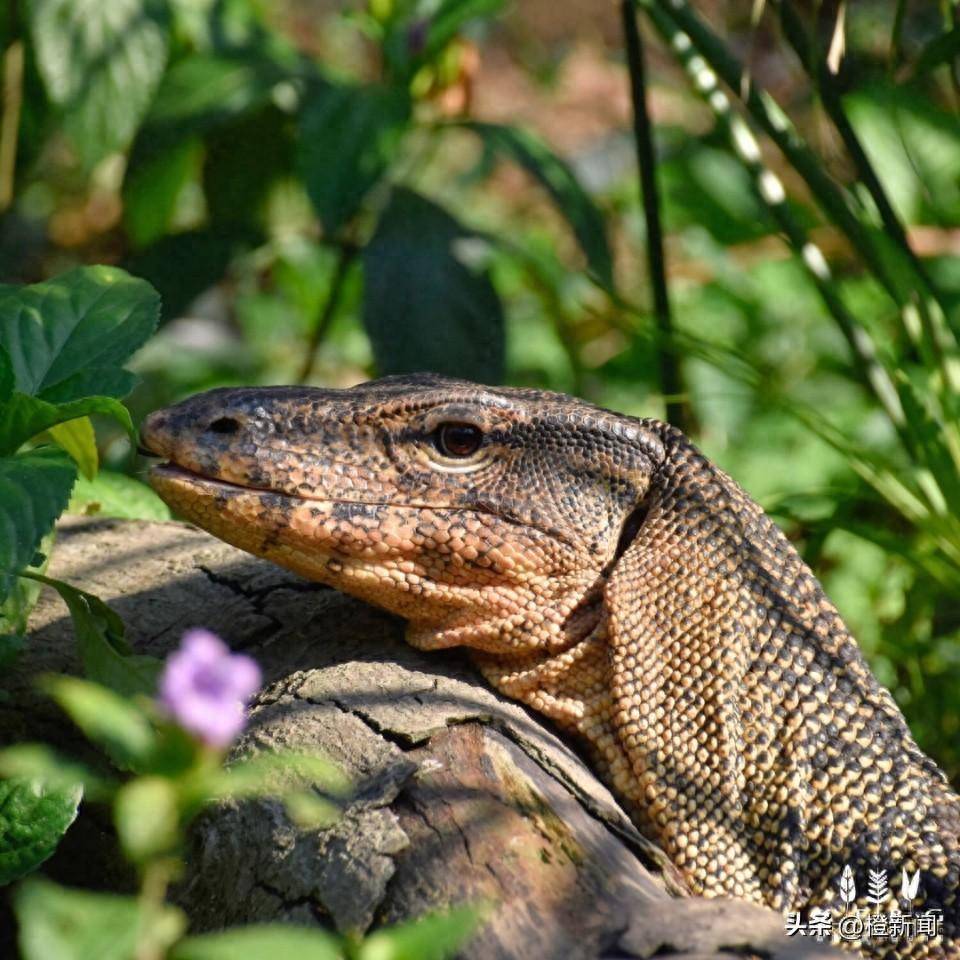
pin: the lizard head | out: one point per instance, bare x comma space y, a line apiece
487, 517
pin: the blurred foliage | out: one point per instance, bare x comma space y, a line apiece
324, 192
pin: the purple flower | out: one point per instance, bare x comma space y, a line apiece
205, 687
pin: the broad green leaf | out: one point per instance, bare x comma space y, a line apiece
58, 923
428, 303
23, 417
116, 495
106, 718
555, 175
33, 817
147, 818
101, 63
348, 137
20, 601
269, 941
68, 337
78, 439
106, 656
433, 937
36, 761
34, 489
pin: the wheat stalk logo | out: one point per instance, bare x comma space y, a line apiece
878, 890
848, 888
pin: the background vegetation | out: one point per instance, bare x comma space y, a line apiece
325, 192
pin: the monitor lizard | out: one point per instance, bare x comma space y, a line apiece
601, 570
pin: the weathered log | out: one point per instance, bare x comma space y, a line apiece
459, 795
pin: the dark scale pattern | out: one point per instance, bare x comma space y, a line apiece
605, 573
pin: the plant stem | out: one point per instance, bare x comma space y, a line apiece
826, 85
871, 372
670, 380
345, 257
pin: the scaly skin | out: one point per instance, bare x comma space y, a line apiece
604, 572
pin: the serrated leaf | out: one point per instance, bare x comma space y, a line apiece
348, 137
429, 304
433, 937
61, 332
559, 180
116, 495
57, 923
78, 439
33, 818
268, 941
106, 718
101, 63
34, 489
23, 417
106, 656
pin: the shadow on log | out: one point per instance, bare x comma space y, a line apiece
459, 795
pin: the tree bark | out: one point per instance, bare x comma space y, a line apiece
458, 795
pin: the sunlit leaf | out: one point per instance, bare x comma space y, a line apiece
58, 923
34, 815
101, 64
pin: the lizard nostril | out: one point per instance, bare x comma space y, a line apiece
224, 425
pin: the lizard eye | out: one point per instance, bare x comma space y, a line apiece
458, 440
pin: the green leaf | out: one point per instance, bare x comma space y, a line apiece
10, 646
117, 495
273, 774
72, 333
348, 137
36, 761
106, 718
433, 937
106, 656
78, 439
269, 941
198, 94
939, 51
34, 489
57, 923
24, 417
152, 189
33, 817
7, 380
147, 818
555, 175
101, 63
428, 303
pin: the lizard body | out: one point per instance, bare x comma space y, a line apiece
601, 570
